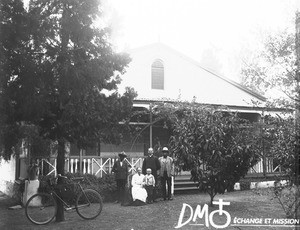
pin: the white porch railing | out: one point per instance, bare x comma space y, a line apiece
88, 164
270, 167
93, 165
100, 166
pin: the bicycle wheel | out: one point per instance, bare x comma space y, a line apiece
41, 208
89, 204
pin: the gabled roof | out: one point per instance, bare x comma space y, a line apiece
197, 64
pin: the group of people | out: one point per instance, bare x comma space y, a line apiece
144, 181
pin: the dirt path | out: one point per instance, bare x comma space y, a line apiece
161, 215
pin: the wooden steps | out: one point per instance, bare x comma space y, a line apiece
183, 184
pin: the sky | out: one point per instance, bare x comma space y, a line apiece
219, 34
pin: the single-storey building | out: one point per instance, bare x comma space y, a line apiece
159, 74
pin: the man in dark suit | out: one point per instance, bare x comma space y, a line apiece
120, 169
151, 162
166, 173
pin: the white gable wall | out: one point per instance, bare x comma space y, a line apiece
183, 77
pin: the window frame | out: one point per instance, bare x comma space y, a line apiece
158, 75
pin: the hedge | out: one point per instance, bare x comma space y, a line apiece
106, 185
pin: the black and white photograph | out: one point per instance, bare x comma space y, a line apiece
149, 114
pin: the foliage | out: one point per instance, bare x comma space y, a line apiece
64, 77
46, 183
279, 138
245, 185
18, 190
158, 188
13, 32
216, 145
13, 136
272, 72
106, 185
60, 74
272, 69
288, 197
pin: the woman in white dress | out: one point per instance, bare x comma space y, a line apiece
138, 190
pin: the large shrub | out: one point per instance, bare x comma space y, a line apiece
279, 139
217, 146
288, 198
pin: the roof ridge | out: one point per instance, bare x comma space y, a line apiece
230, 81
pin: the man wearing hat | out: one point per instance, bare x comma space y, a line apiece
120, 169
151, 162
166, 173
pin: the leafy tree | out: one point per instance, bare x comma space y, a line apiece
13, 33
60, 74
279, 136
217, 146
271, 71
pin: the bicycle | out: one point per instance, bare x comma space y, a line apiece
41, 208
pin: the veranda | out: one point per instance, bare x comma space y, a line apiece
100, 166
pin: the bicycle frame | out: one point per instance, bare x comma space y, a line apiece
68, 207
41, 208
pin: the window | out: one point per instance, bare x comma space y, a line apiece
157, 75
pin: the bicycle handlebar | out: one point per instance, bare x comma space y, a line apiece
71, 179
59, 175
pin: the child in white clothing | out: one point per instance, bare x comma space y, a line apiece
149, 185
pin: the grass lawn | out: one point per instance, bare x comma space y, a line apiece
255, 204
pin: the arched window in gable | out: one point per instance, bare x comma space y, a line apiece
157, 75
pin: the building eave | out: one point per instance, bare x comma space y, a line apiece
147, 103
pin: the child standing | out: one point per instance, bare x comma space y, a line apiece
149, 185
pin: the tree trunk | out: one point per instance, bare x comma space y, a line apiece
264, 164
264, 159
212, 194
297, 115
60, 167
